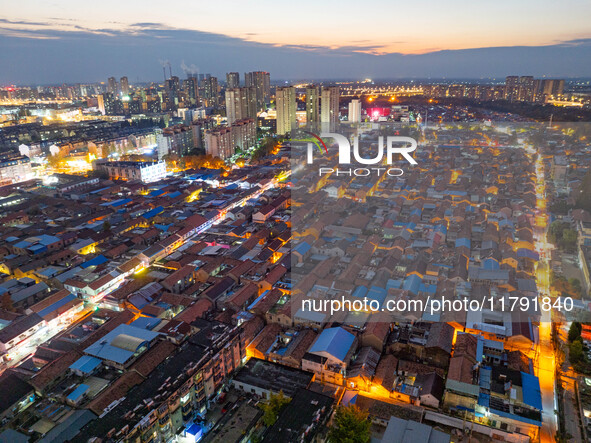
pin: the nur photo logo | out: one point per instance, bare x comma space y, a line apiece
385, 153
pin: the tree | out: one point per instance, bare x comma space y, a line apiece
55, 161
576, 352
350, 425
106, 226
172, 160
566, 288
265, 148
107, 149
273, 406
562, 235
560, 207
7, 302
569, 239
575, 331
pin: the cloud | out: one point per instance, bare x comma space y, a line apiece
24, 34
68, 52
577, 42
22, 22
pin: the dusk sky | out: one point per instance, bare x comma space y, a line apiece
77, 41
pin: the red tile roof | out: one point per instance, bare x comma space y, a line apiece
195, 311
153, 357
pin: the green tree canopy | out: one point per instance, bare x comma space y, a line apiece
273, 406
563, 236
577, 354
350, 425
575, 331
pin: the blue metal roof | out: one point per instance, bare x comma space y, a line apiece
58, 304
49, 272
490, 263
412, 283
37, 249
117, 203
153, 212
431, 289
484, 377
195, 431
163, 228
85, 364
527, 253
99, 190
78, 392
146, 322
43, 239
479, 349
121, 202
138, 300
302, 248
530, 387
335, 342
484, 400
103, 348
350, 398
360, 291
441, 228
465, 242
393, 284
256, 301
46, 240
377, 293
96, 261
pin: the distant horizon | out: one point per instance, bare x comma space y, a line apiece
281, 81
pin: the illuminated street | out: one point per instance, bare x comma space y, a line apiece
545, 363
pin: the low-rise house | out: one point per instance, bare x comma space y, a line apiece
330, 354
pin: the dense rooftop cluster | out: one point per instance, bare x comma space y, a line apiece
140, 312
